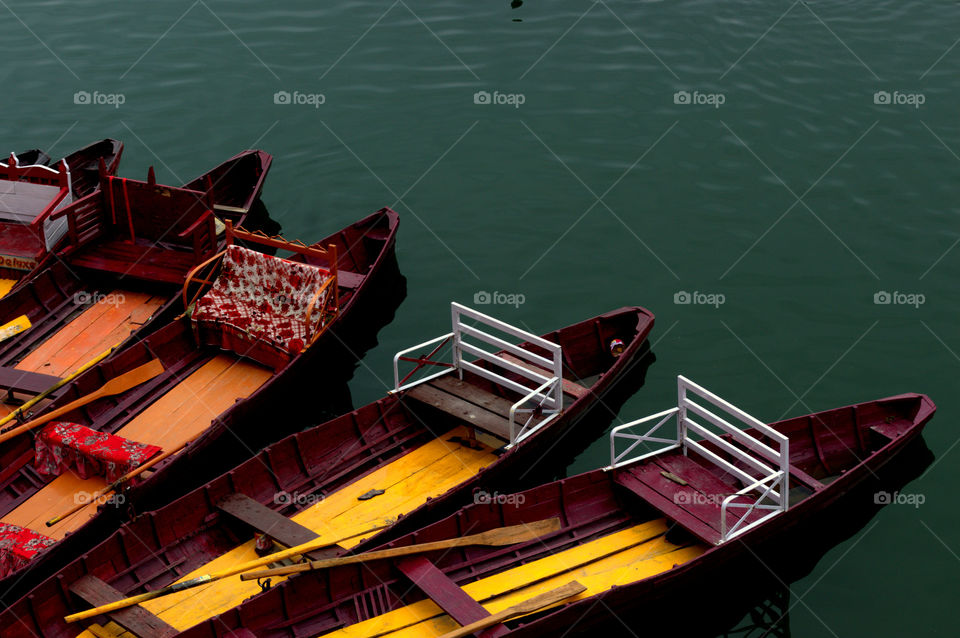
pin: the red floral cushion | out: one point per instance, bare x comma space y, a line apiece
265, 297
18, 546
62, 446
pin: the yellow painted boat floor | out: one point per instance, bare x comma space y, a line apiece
6, 285
427, 471
103, 325
619, 558
179, 415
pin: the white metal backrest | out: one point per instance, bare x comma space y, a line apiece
465, 340
540, 376
763, 468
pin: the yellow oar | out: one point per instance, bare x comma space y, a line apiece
56, 386
297, 550
14, 327
124, 382
132, 474
528, 606
503, 536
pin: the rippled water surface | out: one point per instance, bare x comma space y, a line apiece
730, 148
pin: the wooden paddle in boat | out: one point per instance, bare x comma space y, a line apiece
132, 474
495, 537
122, 383
503, 536
209, 578
536, 603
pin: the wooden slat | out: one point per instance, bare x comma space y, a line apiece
468, 412
457, 603
347, 279
135, 619
569, 387
26, 381
666, 505
472, 394
265, 520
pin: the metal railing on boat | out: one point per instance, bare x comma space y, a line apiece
541, 384
769, 491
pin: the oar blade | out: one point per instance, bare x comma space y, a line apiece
521, 533
133, 378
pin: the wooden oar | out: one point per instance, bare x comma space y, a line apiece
56, 386
502, 536
209, 578
124, 382
132, 474
528, 606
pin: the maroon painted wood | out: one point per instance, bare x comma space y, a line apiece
154, 550
589, 505
367, 246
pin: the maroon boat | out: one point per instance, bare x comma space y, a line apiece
637, 534
127, 249
254, 324
31, 191
502, 400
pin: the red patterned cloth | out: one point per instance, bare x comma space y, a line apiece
262, 297
18, 546
62, 446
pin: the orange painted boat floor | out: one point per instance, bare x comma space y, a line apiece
179, 415
101, 326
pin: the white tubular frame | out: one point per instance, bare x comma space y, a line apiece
770, 492
545, 392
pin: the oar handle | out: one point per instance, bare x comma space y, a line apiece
49, 416
132, 474
136, 600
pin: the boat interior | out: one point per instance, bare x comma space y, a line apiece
610, 536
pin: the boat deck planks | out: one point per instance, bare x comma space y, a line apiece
469, 403
103, 325
697, 504
179, 415
427, 471
623, 556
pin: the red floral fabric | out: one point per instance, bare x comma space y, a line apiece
62, 446
264, 297
18, 546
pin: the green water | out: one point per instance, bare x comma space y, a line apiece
599, 190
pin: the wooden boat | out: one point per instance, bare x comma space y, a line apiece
114, 272
31, 191
219, 370
351, 476
638, 535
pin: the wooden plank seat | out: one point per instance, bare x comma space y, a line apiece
140, 258
449, 596
135, 619
570, 388
351, 280
469, 403
14, 380
696, 505
273, 524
